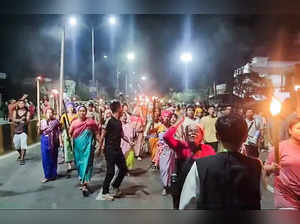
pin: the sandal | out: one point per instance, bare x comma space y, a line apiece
22, 162
85, 191
44, 180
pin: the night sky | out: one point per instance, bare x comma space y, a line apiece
30, 44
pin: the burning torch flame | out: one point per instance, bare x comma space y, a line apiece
275, 107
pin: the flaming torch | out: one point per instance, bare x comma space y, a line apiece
275, 109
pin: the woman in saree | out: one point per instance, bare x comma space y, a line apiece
151, 133
138, 124
128, 132
50, 142
165, 157
65, 121
84, 132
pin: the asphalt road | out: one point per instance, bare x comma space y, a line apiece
20, 187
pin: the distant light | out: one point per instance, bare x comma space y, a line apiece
144, 78
39, 78
105, 56
73, 21
297, 87
130, 56
112, 20
55, 91
186, 57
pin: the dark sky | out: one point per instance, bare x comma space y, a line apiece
30, 44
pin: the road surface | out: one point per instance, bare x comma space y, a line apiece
20, 187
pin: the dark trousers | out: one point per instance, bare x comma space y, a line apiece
114, 157
214, 145
252, 151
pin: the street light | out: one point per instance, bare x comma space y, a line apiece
73, 21
144, 78
186, 58
105, 56
112, 20
131, 56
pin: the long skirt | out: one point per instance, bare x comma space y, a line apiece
138, 144
67, 147
166, 166
84, 155
49, 158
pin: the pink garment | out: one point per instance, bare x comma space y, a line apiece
138, 131
78, 126
287, 184
182, 148
128, 132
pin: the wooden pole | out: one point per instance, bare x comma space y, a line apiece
38, 99
61, 73
276, 129
57, 106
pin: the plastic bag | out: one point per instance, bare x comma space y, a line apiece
130, 160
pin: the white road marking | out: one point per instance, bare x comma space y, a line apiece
16, 152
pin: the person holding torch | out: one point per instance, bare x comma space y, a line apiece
284, 162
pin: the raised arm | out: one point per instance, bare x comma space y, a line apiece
169, 136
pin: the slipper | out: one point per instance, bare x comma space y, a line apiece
44, 180
85, 192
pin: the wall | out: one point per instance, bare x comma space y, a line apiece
7, 133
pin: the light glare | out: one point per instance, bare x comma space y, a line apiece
186, 57
130, 56
275, 107
112, 20
73, 21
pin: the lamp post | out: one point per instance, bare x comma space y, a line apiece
186, 58
73, 22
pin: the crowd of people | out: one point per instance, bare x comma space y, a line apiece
207, 158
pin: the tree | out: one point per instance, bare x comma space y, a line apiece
82, 91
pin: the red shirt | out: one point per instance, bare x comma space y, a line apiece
183, 149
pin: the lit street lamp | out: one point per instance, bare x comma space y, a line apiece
130, 56
186, 58
144, 78
73, 21
112, 20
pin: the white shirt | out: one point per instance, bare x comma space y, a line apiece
191, 190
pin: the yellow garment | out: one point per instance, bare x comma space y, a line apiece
71, 118
209, 126
161, 128
153, 147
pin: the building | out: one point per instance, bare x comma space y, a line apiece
255, 78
